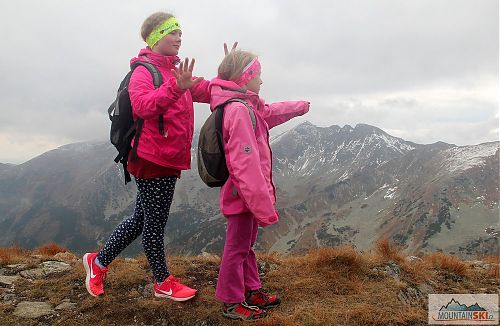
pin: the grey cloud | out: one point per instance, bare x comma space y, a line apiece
62, 60
371, 46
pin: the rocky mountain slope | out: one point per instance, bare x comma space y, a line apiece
336, 185
355, 185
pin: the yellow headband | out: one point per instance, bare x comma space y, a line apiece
165, 28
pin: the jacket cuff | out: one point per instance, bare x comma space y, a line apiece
268, 220
170, 92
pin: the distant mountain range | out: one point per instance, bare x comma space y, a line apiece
336, 185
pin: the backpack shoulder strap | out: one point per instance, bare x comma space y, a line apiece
219, 116
157, 81
250, 111
153, 70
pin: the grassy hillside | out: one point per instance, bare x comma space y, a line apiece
327, 286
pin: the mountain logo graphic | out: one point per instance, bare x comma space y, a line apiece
454, 305
456, 312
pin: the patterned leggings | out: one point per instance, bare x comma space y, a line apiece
152, 207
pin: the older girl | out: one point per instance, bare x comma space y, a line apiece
163, 151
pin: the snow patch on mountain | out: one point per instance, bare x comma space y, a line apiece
465, 157
390, 193
396, 144
307, 149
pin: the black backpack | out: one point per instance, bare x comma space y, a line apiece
212, 166
123, 127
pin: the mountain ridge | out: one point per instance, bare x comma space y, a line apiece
336, 185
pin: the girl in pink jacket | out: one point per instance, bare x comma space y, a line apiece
247, 198
164, 149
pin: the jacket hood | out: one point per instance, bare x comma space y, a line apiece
223, 90
146, 55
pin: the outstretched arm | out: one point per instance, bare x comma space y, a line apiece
280, 112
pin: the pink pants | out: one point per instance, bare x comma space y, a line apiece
238, 271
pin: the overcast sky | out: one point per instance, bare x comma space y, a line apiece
422, 70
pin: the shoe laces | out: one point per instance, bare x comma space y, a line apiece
174, 282
260, 296
100, 275
244, 305
247, 306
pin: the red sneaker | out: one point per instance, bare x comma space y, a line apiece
95, 275
242, 311
261, 299
173, 289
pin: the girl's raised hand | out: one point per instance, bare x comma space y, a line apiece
184, 75
226, 52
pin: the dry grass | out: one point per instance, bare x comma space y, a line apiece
448, 263
386, 250
327, 286
419, 271
12, 255
494, 270
124, 276
494, 259
334, 258
49, 249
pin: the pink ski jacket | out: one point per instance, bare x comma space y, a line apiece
250, 186
173, 148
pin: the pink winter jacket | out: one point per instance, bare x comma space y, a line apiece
173, 148
250, 186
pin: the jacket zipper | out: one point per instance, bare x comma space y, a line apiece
271, 171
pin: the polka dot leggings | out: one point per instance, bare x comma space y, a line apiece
152, 207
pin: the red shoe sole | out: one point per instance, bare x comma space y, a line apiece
164, 296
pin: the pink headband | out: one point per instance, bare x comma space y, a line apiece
250, 71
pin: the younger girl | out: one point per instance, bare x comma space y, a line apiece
164, 149
247, 198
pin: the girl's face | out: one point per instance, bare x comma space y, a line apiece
169, 44
254, 84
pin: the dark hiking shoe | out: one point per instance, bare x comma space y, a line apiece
242, 311
261, 299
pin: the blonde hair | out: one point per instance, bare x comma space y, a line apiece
152, 22
232, 65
